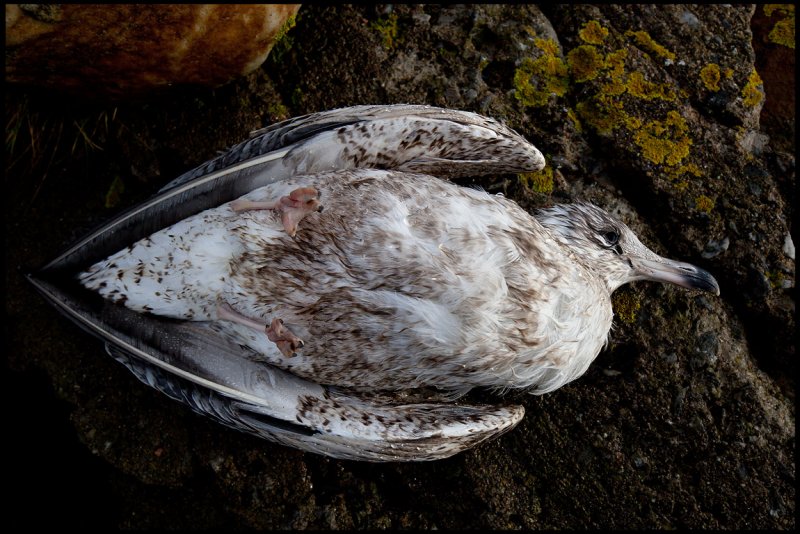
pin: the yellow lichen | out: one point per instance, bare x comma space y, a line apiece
539, 181
530, 31
710, 76
783, 31
678, 175
664, 142
644, 40
704, 204
626, 303
585, 63
639, 87
593, 33
601, 115
387, 28
536, 80
548, 46
615, 62
751, 93
769, 9
688, 168
682, 185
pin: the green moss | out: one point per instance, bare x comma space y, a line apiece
626, 304
290, 23
297, 97
114, 193
710, 76
539, 181
575, 121
775, 278
644, 40
783, 31
585, 63
770, 9
704, 204
283, 41
388, 30
593, 33
664, 142
278, 111
751, 93
601, 115
536, 80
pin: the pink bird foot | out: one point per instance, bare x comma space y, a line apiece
287, 342
277, 332
294, 207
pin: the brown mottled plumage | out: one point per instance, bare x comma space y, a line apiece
401, 281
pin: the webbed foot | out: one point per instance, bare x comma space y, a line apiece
294, 207
277, 332
287, 342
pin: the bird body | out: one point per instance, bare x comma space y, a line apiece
401, 281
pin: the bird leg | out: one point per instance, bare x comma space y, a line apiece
277, 332
293, 208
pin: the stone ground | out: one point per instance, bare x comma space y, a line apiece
654, 112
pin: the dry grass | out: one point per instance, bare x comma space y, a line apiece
41, 136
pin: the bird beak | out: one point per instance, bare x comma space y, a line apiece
675, 272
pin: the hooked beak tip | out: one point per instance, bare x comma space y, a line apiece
715, 288
703, 280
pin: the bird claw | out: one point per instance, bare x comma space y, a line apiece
294, 207
287, 342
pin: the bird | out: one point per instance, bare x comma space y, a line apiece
347, 303
400, 281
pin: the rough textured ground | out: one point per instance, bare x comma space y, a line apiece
657, 113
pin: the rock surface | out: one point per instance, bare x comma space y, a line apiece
653, 112
125, 50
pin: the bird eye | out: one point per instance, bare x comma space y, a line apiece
610, 237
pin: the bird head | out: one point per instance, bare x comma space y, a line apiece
611, 250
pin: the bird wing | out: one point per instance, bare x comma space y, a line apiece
189, 363
388, 136
358, 137
387, 139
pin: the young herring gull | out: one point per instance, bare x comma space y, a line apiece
400, 281
379, 281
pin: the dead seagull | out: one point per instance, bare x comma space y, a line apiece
307, 309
